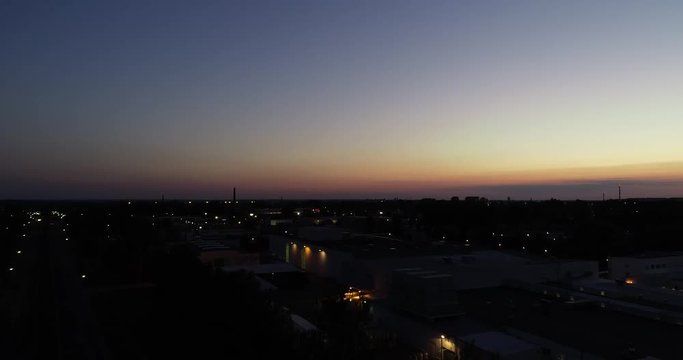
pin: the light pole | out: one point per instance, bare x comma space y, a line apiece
441, 349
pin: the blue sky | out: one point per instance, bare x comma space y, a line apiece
339, 98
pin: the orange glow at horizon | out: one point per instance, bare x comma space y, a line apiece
313, 181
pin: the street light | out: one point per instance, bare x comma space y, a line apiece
442, 337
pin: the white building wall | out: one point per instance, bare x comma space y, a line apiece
621, 268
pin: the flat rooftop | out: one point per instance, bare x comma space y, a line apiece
380, 246
264, 268
652, 255
499, 343
587, 328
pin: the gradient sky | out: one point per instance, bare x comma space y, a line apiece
340, 99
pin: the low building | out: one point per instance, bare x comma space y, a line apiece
371, 262
425, 293
217, 254
654, 268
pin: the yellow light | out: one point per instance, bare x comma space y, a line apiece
630, 281
443, 336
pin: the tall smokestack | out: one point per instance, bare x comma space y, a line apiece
234, 194
619, 192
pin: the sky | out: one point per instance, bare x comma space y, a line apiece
340, 99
